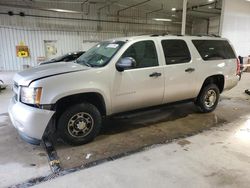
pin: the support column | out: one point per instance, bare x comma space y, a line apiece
184, 17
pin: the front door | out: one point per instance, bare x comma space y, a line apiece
141, 86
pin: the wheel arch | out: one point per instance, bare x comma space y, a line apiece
217, 79
94, 98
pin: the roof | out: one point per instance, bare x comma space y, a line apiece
131, 38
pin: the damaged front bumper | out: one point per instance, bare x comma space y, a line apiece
30, 122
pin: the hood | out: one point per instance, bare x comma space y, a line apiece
26, 77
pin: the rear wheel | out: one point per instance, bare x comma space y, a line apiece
79, 124
208, 98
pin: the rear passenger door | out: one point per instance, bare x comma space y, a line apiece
179, 70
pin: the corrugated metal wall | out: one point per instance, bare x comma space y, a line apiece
200, 27
68, 33
214, 25
34, 39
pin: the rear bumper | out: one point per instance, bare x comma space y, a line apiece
231, 82
29, 121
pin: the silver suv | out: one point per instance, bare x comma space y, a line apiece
117, 76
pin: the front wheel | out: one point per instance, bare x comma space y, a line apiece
79, 124
208, 98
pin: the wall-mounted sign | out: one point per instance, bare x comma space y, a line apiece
22, 50
40, 59
50, 49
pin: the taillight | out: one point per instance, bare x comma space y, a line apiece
238, 66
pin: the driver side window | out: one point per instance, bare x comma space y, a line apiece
144, 53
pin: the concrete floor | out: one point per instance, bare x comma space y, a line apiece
219, 157
19, 161
216, 158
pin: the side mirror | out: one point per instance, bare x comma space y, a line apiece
125, 63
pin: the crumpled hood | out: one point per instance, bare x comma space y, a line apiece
26, 77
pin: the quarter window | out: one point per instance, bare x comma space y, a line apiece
144, 53
175, 51
214, 49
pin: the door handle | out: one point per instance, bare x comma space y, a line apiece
155, 74
190, 70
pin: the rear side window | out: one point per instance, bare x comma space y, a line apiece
175, 51
214, 49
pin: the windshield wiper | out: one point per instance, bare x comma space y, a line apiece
83, 62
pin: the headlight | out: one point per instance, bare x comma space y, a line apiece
31, 95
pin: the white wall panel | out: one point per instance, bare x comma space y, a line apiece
236, 25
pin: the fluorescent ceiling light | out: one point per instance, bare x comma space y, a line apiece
63, 10
210, 0
162, 19
173, 9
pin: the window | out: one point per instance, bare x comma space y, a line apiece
144, 53
214, 49
175, 51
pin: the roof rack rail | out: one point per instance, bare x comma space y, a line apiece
157, 35
214, 35
163, 34
209, 35
154, 35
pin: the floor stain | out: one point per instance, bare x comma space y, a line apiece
146, 159
42, 154
227, 177
183, 143
241, 156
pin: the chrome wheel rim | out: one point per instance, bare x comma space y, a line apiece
80, 125
210, 98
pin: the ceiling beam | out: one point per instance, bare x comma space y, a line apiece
132, 6
157, 10
205, 12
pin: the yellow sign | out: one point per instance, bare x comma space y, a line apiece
22, 51
23, 54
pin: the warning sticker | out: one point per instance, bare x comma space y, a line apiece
112, 46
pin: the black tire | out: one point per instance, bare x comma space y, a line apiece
204, 103
74, 125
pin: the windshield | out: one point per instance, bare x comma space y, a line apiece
101, 54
